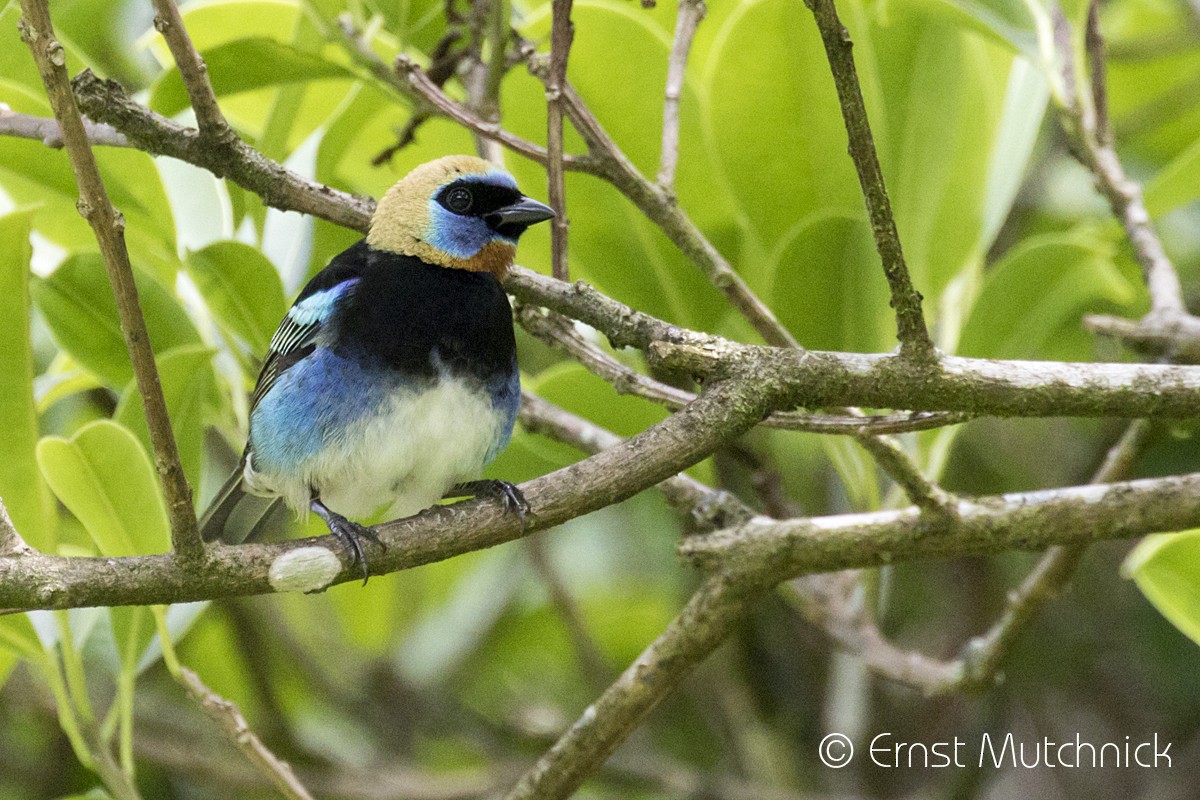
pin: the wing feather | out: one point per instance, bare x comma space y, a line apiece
297, 335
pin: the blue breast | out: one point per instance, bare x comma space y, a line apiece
311, 406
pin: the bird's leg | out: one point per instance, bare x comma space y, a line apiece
348, 533
508, 494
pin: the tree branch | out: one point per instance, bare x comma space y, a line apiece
279, 187
561, 34
1085, 124
972, 385
906, 300
705, 622
559, 332
981, 657
689, 17
723, 411
11, 543
1024, 521
226, 714
193, 71
109, 227
41, 129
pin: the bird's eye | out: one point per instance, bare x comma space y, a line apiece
459, 200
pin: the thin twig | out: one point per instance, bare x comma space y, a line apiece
981, 657
558, 331
279, 187
707, 619
415, 77
1085, 128
1094, 44
892, 459
660, 206
906, 300
226, 714
193, 71
1175, 338
11, 543
561, 34
689, 16
109, 228
592, 663
44, 130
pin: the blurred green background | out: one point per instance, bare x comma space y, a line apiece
446, 681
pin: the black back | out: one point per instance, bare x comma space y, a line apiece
404, 308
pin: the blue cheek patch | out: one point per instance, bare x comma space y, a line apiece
458, 237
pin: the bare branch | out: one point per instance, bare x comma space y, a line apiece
1086, 126
892, 459
557, 331
41, 129
1022, 521
561, 34
193, 71
701, 626
660, 206
11, 543
906, 300
1094, 44
279, 187
982, 656
1175, 338
833, 604
723, 411
226, 714
412, 74
973, 385
109, 227
689, 16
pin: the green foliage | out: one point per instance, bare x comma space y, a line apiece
104, 477
25, 495
78, 306
1166, 567
435, 667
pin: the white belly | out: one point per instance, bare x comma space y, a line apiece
401, 459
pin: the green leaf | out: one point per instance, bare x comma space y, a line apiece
242, 289
1177, 184
1008, 21
243, 65
829, 288
1166, 567
104, 477
216, 22
21, 486
80, 309
774, 120
190, 389
613, 245
17, 636
1046, 283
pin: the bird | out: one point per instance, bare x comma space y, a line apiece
392, 380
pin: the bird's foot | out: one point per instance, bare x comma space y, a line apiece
350, 534
512, 498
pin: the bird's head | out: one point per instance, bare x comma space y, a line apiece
459, 212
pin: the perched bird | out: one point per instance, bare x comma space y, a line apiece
393, 378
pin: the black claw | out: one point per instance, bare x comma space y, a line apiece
512, 498
350, 535
514, 501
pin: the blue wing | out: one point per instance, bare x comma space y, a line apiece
297, 335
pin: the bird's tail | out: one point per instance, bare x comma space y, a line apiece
236, 516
